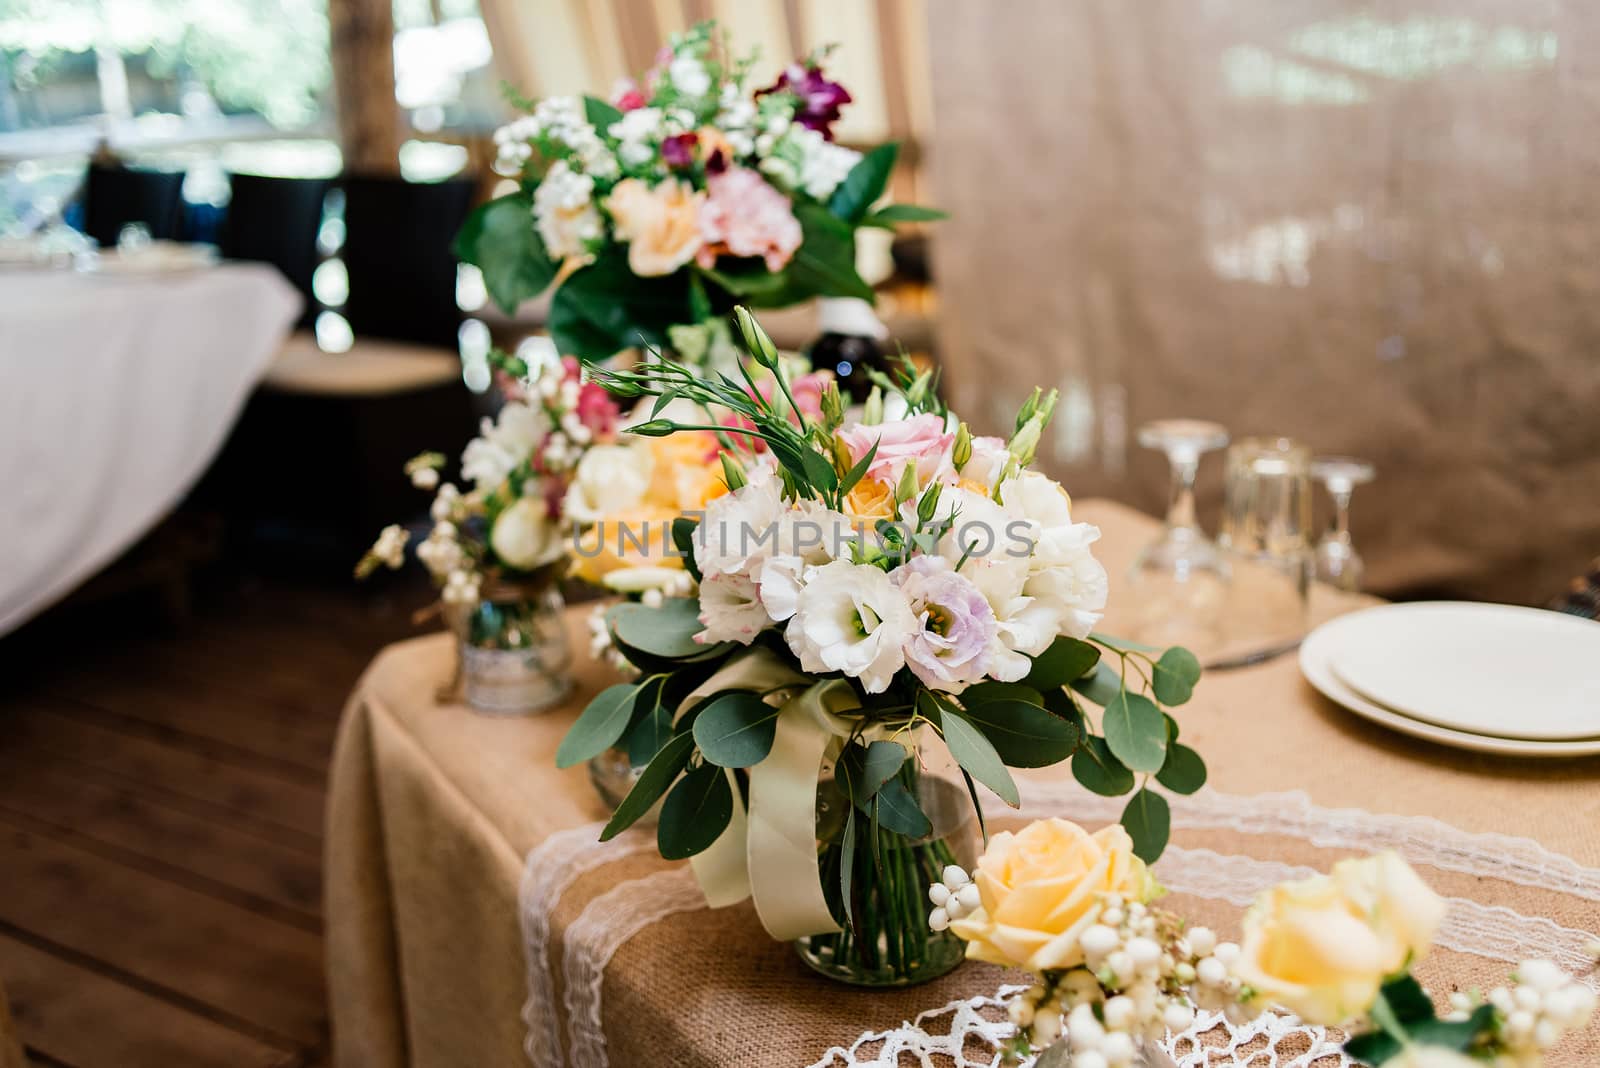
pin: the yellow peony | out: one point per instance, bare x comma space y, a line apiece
661, 224
1040, 888
1322, 947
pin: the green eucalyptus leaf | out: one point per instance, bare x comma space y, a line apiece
977, 757
1124, 644
1102, 686
1407, 999
599, 726
735, 729
652, 783
1148, 821
1098, 771
695, 813
1374, 1047
1066, 661
500, 240
1135, 731
666, 631
864, 184
987, 692
1024, 734
603, 308
1184, 772
847, 863
863, 769
898, 810
1174, 676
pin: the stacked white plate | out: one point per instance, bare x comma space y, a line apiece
1495, 678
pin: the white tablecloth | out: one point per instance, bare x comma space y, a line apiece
115, 394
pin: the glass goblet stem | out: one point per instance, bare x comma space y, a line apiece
1180, 505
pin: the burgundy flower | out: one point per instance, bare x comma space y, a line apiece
818, 100
678, 151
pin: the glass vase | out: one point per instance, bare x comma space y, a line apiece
886, 942
515, 657
614, 774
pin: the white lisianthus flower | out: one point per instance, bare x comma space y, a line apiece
730, 609
609, 480
851, 618
953, 644
1064, 575
564, 211
988, 461
523, 536
740, 529
502, 444
781, 579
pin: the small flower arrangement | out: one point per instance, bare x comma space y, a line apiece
1117, 973
870, 582
685, 193
507, 531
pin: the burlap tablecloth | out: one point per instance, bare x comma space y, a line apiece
434, 809
10, 1046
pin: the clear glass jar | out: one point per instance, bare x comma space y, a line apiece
515, 657
889, 942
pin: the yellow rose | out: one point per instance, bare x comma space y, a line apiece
1431, 1057
871, 499
1322, 947
1039, 890
660, 224
685, 474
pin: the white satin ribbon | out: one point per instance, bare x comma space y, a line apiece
770, 852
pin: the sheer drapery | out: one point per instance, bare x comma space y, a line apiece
1366, 225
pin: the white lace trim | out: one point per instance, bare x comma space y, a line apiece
605, 924
551, 868
1420, 839
976, 1027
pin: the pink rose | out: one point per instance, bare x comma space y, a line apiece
745, 216
921, 440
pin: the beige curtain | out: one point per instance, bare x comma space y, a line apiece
1367, 225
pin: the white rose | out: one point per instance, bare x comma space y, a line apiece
851, 618
610, 479
523, 536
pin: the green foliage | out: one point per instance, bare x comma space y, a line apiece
1148, 821
898, 810
1065, 662
599, 726
1404, 1014
1102, 686
500, 240
735, 729
1184, 772
864, 184
603, 308
891, 215
1136, 731
1098, 771
667, 632
1022, 733
695, 813
1174, 675
652, 783
977, 756
863, 769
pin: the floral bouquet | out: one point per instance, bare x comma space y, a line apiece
685, 193
1116, 973
871, 586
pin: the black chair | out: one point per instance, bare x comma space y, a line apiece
397, 251
276, 221
115, 196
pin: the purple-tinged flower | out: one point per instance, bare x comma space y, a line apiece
817, 99
677, 151
956, 625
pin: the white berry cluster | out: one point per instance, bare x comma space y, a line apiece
1142, 977
953, 897
388, 551
461, 588
1533, 1012
602, 648
441, 552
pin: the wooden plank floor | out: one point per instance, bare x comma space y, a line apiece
161, 795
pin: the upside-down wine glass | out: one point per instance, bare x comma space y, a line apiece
1338, 563
1180, 581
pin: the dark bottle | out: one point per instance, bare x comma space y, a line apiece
851, 344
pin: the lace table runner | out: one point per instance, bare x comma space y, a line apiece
568, 1029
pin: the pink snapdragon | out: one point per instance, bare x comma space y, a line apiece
744, 215
921, 439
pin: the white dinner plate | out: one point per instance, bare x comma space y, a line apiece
1315, 666
1490, 669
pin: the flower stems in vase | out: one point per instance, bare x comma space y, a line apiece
885, 939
